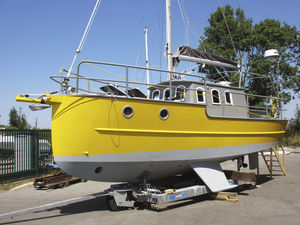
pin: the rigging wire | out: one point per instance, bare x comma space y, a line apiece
228, 28
185, 22
189, 28
137, 61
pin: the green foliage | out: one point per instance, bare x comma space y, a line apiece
294, 123
292, 136
272, 34
251, 41
218, 39
17, 120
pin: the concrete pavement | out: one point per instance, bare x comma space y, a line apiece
276, 201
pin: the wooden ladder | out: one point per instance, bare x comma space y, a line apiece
274, 160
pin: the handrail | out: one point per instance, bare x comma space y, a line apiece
126, 82
136, 67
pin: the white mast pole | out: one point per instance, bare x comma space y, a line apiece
147, 60
169, 38
84, 36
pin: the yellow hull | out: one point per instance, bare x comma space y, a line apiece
95, 126
93, 139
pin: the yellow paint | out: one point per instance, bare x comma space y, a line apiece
120, 131
96, 125
21, 98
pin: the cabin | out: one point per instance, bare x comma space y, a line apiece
220, 99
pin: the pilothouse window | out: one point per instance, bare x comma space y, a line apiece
200, 95
215, 96
228, 97
180, 92
167, 93
155, 95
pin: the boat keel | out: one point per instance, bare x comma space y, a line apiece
212, 175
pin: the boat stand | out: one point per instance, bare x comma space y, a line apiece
122, 196
131, 195
128, 196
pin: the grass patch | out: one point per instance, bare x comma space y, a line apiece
10, 185
292, 141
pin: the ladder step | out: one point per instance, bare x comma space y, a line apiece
273, 160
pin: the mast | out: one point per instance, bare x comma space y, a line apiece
169, 38
147, 61
84, 36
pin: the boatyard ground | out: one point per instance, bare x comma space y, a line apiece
274, 201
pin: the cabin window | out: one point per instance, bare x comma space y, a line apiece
180, 92
155, 95
228, 98
215, 96
200, 95
167, 94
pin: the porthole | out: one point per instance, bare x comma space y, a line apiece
164, 114
98, 169
128, 111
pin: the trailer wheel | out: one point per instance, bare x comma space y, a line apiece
112, 205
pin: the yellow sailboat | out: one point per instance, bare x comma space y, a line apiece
120, 134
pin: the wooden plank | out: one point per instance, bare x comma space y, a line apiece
230, 194
226, 196
240, 176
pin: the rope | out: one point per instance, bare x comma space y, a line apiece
77, 75
220, 73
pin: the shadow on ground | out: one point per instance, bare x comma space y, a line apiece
99, 204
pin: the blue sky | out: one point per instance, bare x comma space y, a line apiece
38, 37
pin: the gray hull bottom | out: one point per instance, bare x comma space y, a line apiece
133, 167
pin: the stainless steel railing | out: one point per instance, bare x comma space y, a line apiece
260, 111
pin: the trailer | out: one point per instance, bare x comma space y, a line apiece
145, 194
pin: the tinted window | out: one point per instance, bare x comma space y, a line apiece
200, 95
155, 95
180, 93
228, 98
167, 94
216, 96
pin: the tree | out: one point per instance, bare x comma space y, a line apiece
18, 119
272, 34
250, 43
234, 46
294, 123
292, 135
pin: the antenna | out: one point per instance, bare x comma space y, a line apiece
272, 55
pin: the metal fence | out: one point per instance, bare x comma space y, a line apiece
24, 152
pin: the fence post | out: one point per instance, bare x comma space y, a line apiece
36, 149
